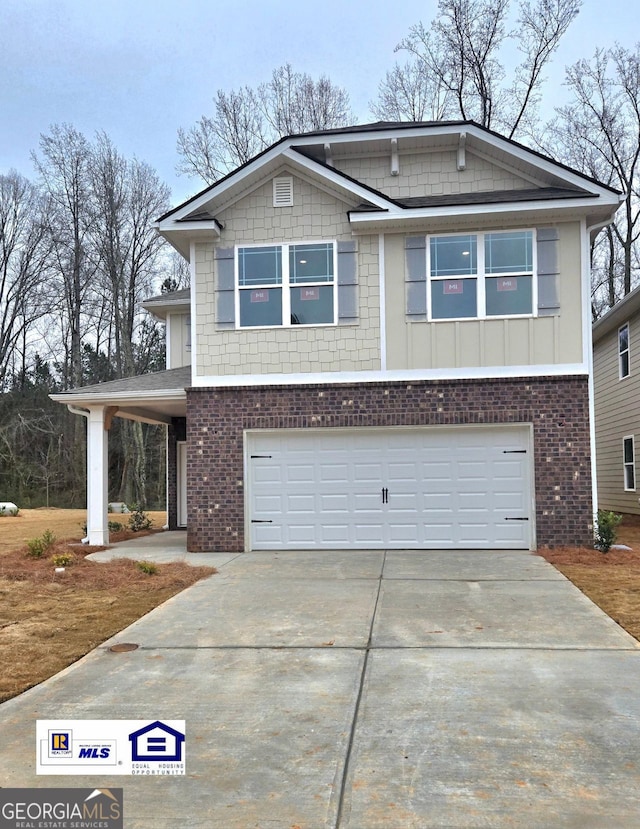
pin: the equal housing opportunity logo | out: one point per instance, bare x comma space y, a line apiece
61, 809
135, 747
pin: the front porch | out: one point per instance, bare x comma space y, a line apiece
159, 399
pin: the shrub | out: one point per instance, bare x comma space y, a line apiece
139, 520
62, 559
147, 567
37, 547
115, 526
606, 530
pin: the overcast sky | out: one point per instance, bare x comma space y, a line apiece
140, 69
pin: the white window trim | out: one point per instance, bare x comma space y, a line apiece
622, 376
480, 276
626, 465
286, 286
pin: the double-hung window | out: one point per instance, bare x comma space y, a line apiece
481, 275
284, 285
623, 351
629, 463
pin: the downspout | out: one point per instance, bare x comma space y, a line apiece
588, 339
85, 413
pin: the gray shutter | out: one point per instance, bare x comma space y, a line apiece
548, 243
416, 277
347, 283
225, 285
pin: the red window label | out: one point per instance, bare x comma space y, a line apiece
309, 293
507, 285
259, 296
456, 287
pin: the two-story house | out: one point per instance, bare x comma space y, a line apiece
616, 359
389, 338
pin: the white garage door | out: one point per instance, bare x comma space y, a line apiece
402, 488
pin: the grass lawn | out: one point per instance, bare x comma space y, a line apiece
48, 620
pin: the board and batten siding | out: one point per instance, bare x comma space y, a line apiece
617, 405
222, 349
179, 337
552, 339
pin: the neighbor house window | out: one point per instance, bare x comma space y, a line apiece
629, 463
623, 351
283, 285
481, 275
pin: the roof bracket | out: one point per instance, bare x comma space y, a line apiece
395, 161
328, 158
462, 154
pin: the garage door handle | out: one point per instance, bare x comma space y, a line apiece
385, 495
514, 451
261, 521
516, 519
260, 456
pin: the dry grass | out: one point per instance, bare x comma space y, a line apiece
65, 524
611, 580
49, 620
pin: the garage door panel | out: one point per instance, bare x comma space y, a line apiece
425, 488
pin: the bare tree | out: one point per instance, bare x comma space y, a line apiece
598, 132
24, 248
63, 169
410, 93
248, 120
461, 52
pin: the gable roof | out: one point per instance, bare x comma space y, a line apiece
617, 316
310, 156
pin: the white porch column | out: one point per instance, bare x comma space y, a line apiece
97, 468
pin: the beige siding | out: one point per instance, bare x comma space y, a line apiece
178, 337
430, 174
474, 343
315, 215
617, 416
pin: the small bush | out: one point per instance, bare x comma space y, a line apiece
139, 520
147, 567
37, 547
115, 526
62, 559
606, 530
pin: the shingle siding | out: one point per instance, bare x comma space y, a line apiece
558, 408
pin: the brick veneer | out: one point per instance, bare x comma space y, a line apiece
176, 431
558, 408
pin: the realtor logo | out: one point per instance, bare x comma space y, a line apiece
156, 741
60, 741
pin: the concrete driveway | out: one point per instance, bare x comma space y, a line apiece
366, 689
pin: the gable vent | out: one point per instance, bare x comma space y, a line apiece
283, 191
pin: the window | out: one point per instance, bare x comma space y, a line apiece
623, 351
283, 285
629, 463
481, 275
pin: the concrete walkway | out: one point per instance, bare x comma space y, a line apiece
366, 690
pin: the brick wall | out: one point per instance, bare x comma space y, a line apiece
175, 432
557, 407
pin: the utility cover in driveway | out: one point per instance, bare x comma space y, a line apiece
429, 488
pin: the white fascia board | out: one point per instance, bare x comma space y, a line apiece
193, 227
107, 398
446, 211
413, 375
341, 182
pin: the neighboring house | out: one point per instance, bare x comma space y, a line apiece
390, 345
616, 371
